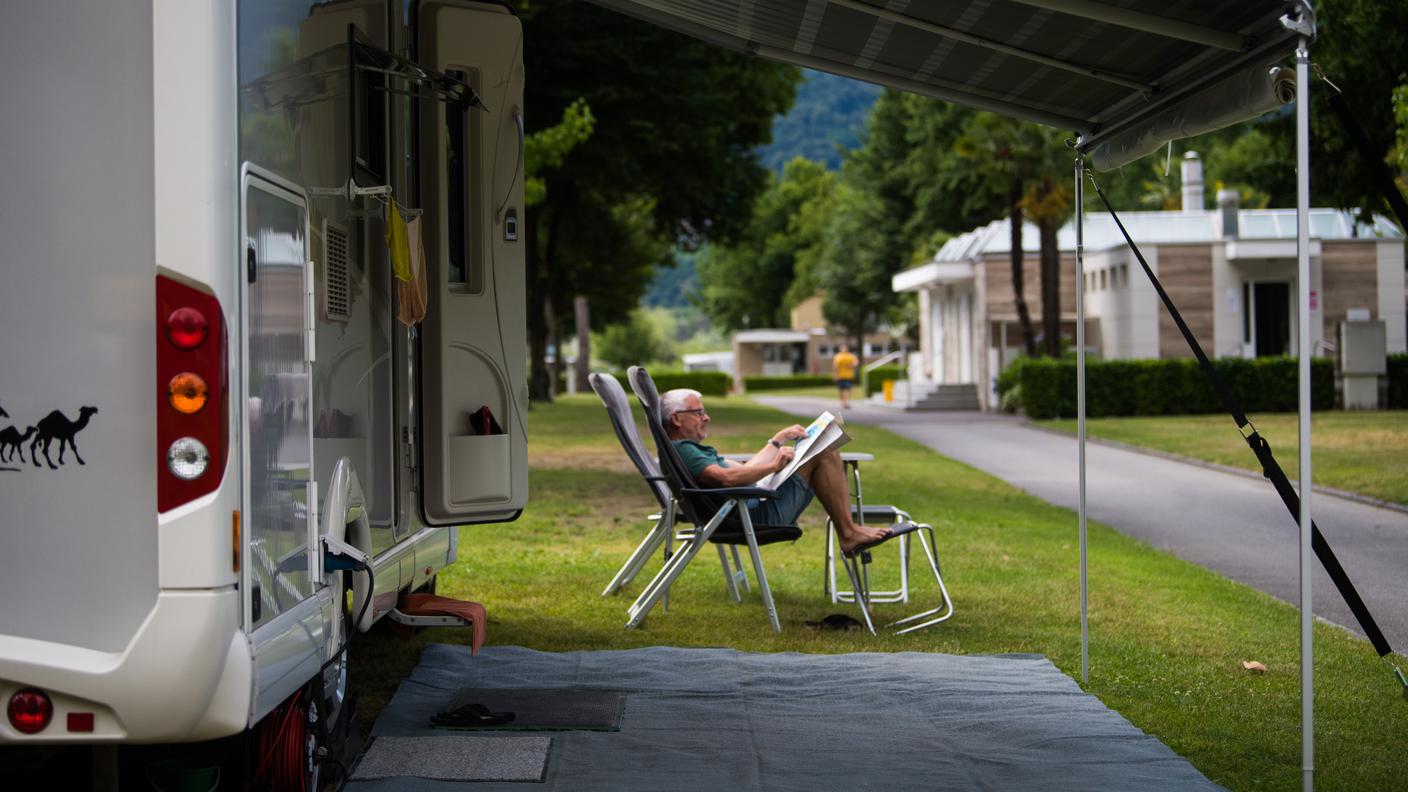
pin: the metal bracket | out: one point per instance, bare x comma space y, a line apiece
425, 621
1304, 21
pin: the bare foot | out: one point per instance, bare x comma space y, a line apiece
859, 535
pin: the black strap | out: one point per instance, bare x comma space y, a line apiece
1269, 467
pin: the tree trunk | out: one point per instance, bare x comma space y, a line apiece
554, 343
582, 311
1050, 287
539, 383
1024, 318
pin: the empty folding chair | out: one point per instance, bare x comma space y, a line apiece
721, 514
618, 409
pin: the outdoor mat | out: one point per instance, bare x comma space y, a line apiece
455, 758
532, 709
715, 719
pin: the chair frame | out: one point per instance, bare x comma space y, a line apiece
666, 529
694, 501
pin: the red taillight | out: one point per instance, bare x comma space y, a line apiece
30, 711
80, 721
186, 328
192, 410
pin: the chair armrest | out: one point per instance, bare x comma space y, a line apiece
654, 478
734, 492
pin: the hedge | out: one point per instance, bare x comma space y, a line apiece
761, 383
708, 383
1046, 388
875, 380
1398, 382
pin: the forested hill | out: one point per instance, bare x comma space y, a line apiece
830, 111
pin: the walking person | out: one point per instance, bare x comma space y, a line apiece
844, 364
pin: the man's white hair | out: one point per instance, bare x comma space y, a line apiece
673, 401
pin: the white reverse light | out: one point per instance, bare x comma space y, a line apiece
187, 458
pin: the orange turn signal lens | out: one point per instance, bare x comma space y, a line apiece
188, 393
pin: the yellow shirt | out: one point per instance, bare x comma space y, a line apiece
845, 364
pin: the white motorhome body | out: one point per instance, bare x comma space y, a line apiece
205, 188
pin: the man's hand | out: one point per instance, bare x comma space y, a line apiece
784, 457
793, 432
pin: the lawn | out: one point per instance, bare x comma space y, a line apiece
1361, 452
1167, 638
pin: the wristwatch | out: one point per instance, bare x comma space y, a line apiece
773, 442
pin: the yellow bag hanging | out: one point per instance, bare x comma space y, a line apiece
398, 243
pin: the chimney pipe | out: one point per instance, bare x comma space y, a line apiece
1228, 202
1192, 182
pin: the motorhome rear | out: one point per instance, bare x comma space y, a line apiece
212, 369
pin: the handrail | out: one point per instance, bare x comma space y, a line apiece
898, 354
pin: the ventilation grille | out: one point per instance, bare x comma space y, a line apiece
337, 294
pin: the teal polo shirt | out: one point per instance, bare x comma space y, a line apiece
697, 456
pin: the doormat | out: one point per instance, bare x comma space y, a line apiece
532, 709
456, 758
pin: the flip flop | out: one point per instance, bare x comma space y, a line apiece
471, 715
836, 621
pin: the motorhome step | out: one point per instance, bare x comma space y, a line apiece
426, 621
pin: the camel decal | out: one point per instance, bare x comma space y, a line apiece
57, 426
12, 442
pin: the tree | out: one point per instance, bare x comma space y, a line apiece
671, 158
752, 283
634, 342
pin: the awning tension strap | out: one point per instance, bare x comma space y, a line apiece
1269, 467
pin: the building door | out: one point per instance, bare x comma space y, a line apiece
1271, 305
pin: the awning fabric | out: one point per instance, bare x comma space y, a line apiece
1086, 66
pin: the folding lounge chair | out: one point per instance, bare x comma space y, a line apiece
900, 523
720, 514
618, 409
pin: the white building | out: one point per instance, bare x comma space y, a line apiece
1230, 271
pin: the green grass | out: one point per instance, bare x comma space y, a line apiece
1361, 452
1167, 638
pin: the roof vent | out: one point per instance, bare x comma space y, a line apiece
336, 287
1228, 202
1192, 182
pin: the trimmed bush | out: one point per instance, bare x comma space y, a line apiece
1398, 382
1046, 388
879, 375
708, 383
761, 383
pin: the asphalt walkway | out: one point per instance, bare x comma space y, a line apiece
1233, 524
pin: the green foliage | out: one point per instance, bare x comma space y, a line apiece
1047, 387
548, 148
674, 285
758, 383
878, 376
1398, 382
708, 383
823, 123
753, 282
634, 342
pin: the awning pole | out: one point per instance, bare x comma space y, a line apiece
1080, 411
1307, 655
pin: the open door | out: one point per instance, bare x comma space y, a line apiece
474, 346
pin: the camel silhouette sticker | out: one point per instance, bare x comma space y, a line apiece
41, 437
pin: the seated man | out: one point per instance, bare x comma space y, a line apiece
687, 423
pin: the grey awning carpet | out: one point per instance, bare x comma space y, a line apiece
711, 719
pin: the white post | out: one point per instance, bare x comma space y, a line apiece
1307, 655
1080, 412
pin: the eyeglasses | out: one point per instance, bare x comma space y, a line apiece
701, 411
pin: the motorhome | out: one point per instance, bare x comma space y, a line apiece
263, 316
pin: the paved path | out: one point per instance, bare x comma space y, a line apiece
1233, 524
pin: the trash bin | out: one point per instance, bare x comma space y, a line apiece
889, 388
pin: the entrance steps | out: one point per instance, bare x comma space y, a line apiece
914, 395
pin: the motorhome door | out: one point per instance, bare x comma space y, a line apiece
473, 349
276, 433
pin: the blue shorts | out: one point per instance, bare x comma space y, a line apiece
843, 384
792, 499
